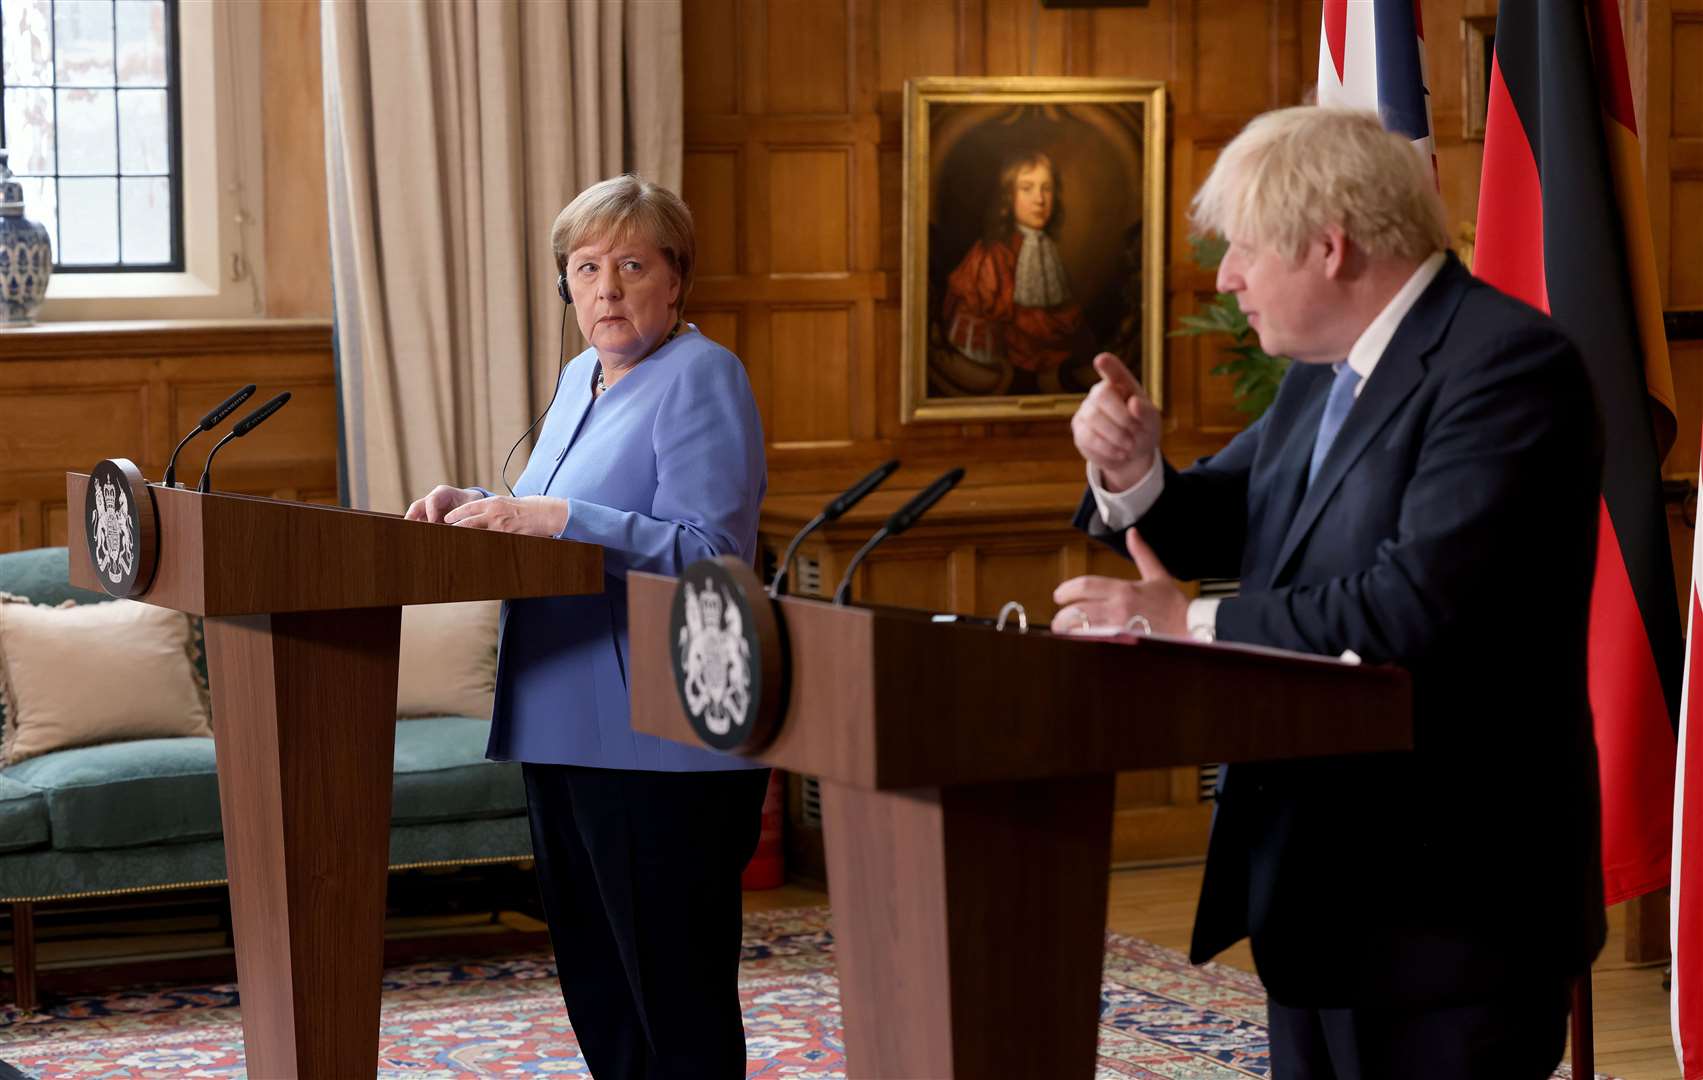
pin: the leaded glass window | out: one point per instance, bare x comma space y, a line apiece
89, 110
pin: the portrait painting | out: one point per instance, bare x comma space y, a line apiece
1033, 240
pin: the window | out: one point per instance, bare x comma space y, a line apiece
89, 110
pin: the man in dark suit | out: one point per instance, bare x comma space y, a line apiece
1422, 492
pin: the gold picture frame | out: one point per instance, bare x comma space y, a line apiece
1071, 169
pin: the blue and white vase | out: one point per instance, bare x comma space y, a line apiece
26, 254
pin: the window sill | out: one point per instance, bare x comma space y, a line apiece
184, 295
163, 337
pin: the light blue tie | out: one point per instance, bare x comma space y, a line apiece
1336, 411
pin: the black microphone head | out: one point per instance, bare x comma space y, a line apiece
854, 495
226, 408
252, 420
906, 516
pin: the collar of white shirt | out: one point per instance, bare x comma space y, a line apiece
1370, 345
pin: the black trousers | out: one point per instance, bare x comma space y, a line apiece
639, 873
1513, 1037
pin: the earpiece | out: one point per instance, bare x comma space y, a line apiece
562, 288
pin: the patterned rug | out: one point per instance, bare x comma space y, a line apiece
1160, 1018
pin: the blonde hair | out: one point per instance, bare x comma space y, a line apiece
623, 206
1292, 173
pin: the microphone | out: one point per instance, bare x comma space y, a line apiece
238, 430
208, 423
846, 500
903, 518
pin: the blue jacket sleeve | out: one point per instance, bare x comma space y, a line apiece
710, 478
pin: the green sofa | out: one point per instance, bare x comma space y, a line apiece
140, 816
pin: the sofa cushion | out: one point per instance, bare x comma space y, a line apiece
442, 774
166, 790
96, 673
23, 816
447, 663
43, 575
125, 794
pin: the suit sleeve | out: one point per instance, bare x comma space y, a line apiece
1511, 450
1200, 522
710, 478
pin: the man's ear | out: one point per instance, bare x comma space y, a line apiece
1338, 252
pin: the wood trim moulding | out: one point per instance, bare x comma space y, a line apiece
1004, 507
166, 337
839, 287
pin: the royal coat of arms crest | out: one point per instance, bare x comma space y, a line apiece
715, 659
114, 534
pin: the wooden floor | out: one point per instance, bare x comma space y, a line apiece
1158, 905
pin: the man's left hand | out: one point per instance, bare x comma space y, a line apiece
1096, 602
533, 515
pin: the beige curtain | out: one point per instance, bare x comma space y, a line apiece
455, 132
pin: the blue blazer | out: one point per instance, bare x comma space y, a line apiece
1451, 530
664, 469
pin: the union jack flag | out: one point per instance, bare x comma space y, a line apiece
1372, 56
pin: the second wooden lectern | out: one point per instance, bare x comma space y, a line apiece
303, 608
967, 790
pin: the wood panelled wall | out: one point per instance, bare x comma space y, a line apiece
1671, 130
793, 168
794, 171
74, 393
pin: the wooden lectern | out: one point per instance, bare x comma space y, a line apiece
967, 783
303, 608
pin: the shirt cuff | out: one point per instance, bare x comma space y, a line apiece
1121, 509
1202, 618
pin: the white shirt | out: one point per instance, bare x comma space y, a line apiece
1121, 509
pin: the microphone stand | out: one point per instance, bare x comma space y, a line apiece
903, 518
841, 503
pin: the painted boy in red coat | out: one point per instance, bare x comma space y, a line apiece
1009, 299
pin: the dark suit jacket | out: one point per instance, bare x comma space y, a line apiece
1450, 530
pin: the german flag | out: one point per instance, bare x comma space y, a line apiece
1563, 225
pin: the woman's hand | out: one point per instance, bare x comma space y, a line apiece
533, 515
440, 502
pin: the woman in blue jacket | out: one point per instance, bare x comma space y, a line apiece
653, 450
